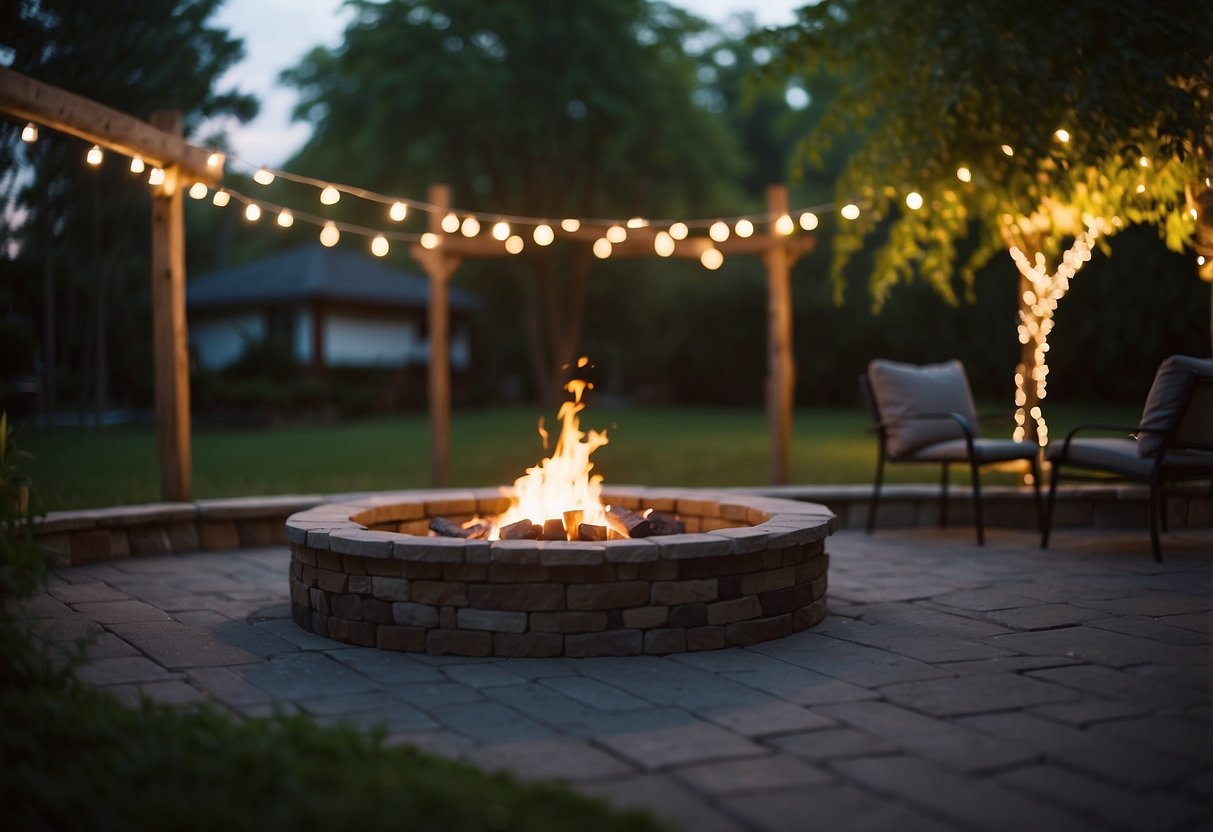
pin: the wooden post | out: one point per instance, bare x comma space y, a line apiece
781, 373
439, 267
169, 350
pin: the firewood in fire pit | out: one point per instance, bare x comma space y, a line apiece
478, 531
572, 519
663, 524
553, 529
445, 527
588, 531
522, 530
628, 523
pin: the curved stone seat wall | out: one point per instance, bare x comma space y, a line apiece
748, 570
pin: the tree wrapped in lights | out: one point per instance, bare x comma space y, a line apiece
1038, 129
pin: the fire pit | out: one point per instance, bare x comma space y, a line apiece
559, 567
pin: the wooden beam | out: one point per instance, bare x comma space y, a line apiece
781, 372
169, 351
27, 99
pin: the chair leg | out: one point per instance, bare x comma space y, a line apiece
1162, 507
875, 501
943, 497
1040, 520
1048, 520
1155, 495
981, 532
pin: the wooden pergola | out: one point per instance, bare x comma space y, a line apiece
161, 144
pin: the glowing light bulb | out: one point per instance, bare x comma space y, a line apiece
784, 225
1007, 149
543, 235
1192, 213
470, 226
850, 211
808, 220
719, 231
501, 230
602, 248
616, 234
1200, 260
198, 190
514, 244
1141, 189
215, 160
913, 200
329, 235
450, 223
429, 240
663, 244
1144, 162
744, 228
637, 222
570, 225
221, 198
93, 157
263, 177
285, 218
398, 211
964, 174
137, 164
379, 246
679, 231
29, 133
330, 195
155, 177
252, 212
711, 259
1062, 136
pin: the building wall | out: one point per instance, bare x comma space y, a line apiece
219, 341
350, 338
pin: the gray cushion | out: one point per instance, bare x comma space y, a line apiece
1120, 456
985, 450
901, 390
1167, 395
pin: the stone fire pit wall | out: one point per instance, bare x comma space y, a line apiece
749, 569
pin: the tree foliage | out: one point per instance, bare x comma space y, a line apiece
931, 87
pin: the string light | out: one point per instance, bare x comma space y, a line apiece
29, 133
264, 177
137, 164
252, 212
616, 234
379, 246
1007, 149
221, 198
850, 211
450, 223
501, 230
198, 190
964, 174
330, 195
215, 160
543, 235
711, 259
285, 218
329, 235
679, 231
470, 226
429, 240
1144, 162
602, 248
1200, 260
93, 157
570, 225
155, 176
744, 228
719, 231
1062, 136
398, 211
808, 220
514, 244
1141, 189
783, 225
637, 222
663, 244
913, 200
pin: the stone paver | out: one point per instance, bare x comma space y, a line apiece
951, 688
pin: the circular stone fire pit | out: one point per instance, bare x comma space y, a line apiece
749, 569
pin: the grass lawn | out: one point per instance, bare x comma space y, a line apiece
75, 468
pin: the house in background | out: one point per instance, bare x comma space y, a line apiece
329, 306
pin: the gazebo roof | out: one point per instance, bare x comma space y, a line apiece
314, 272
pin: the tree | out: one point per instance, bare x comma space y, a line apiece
86, 228
543, 109
1040, 129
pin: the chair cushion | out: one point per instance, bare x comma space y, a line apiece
1167, 395
901, 390
1120, 456
985, 450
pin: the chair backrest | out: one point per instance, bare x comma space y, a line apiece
901, 390
1168, 400
1194, 430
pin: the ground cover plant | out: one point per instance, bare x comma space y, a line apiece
74, 758
654, 446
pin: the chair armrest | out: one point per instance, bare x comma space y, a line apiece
1132, 431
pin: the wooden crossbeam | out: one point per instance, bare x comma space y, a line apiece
27, 99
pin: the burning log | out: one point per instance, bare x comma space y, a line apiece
663, 524
628, 523
445, 527
478, 531
572, 519
588, 531
522, 530
553, 529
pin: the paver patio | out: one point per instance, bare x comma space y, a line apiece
951, 687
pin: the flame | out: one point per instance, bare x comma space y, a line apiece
562, 482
